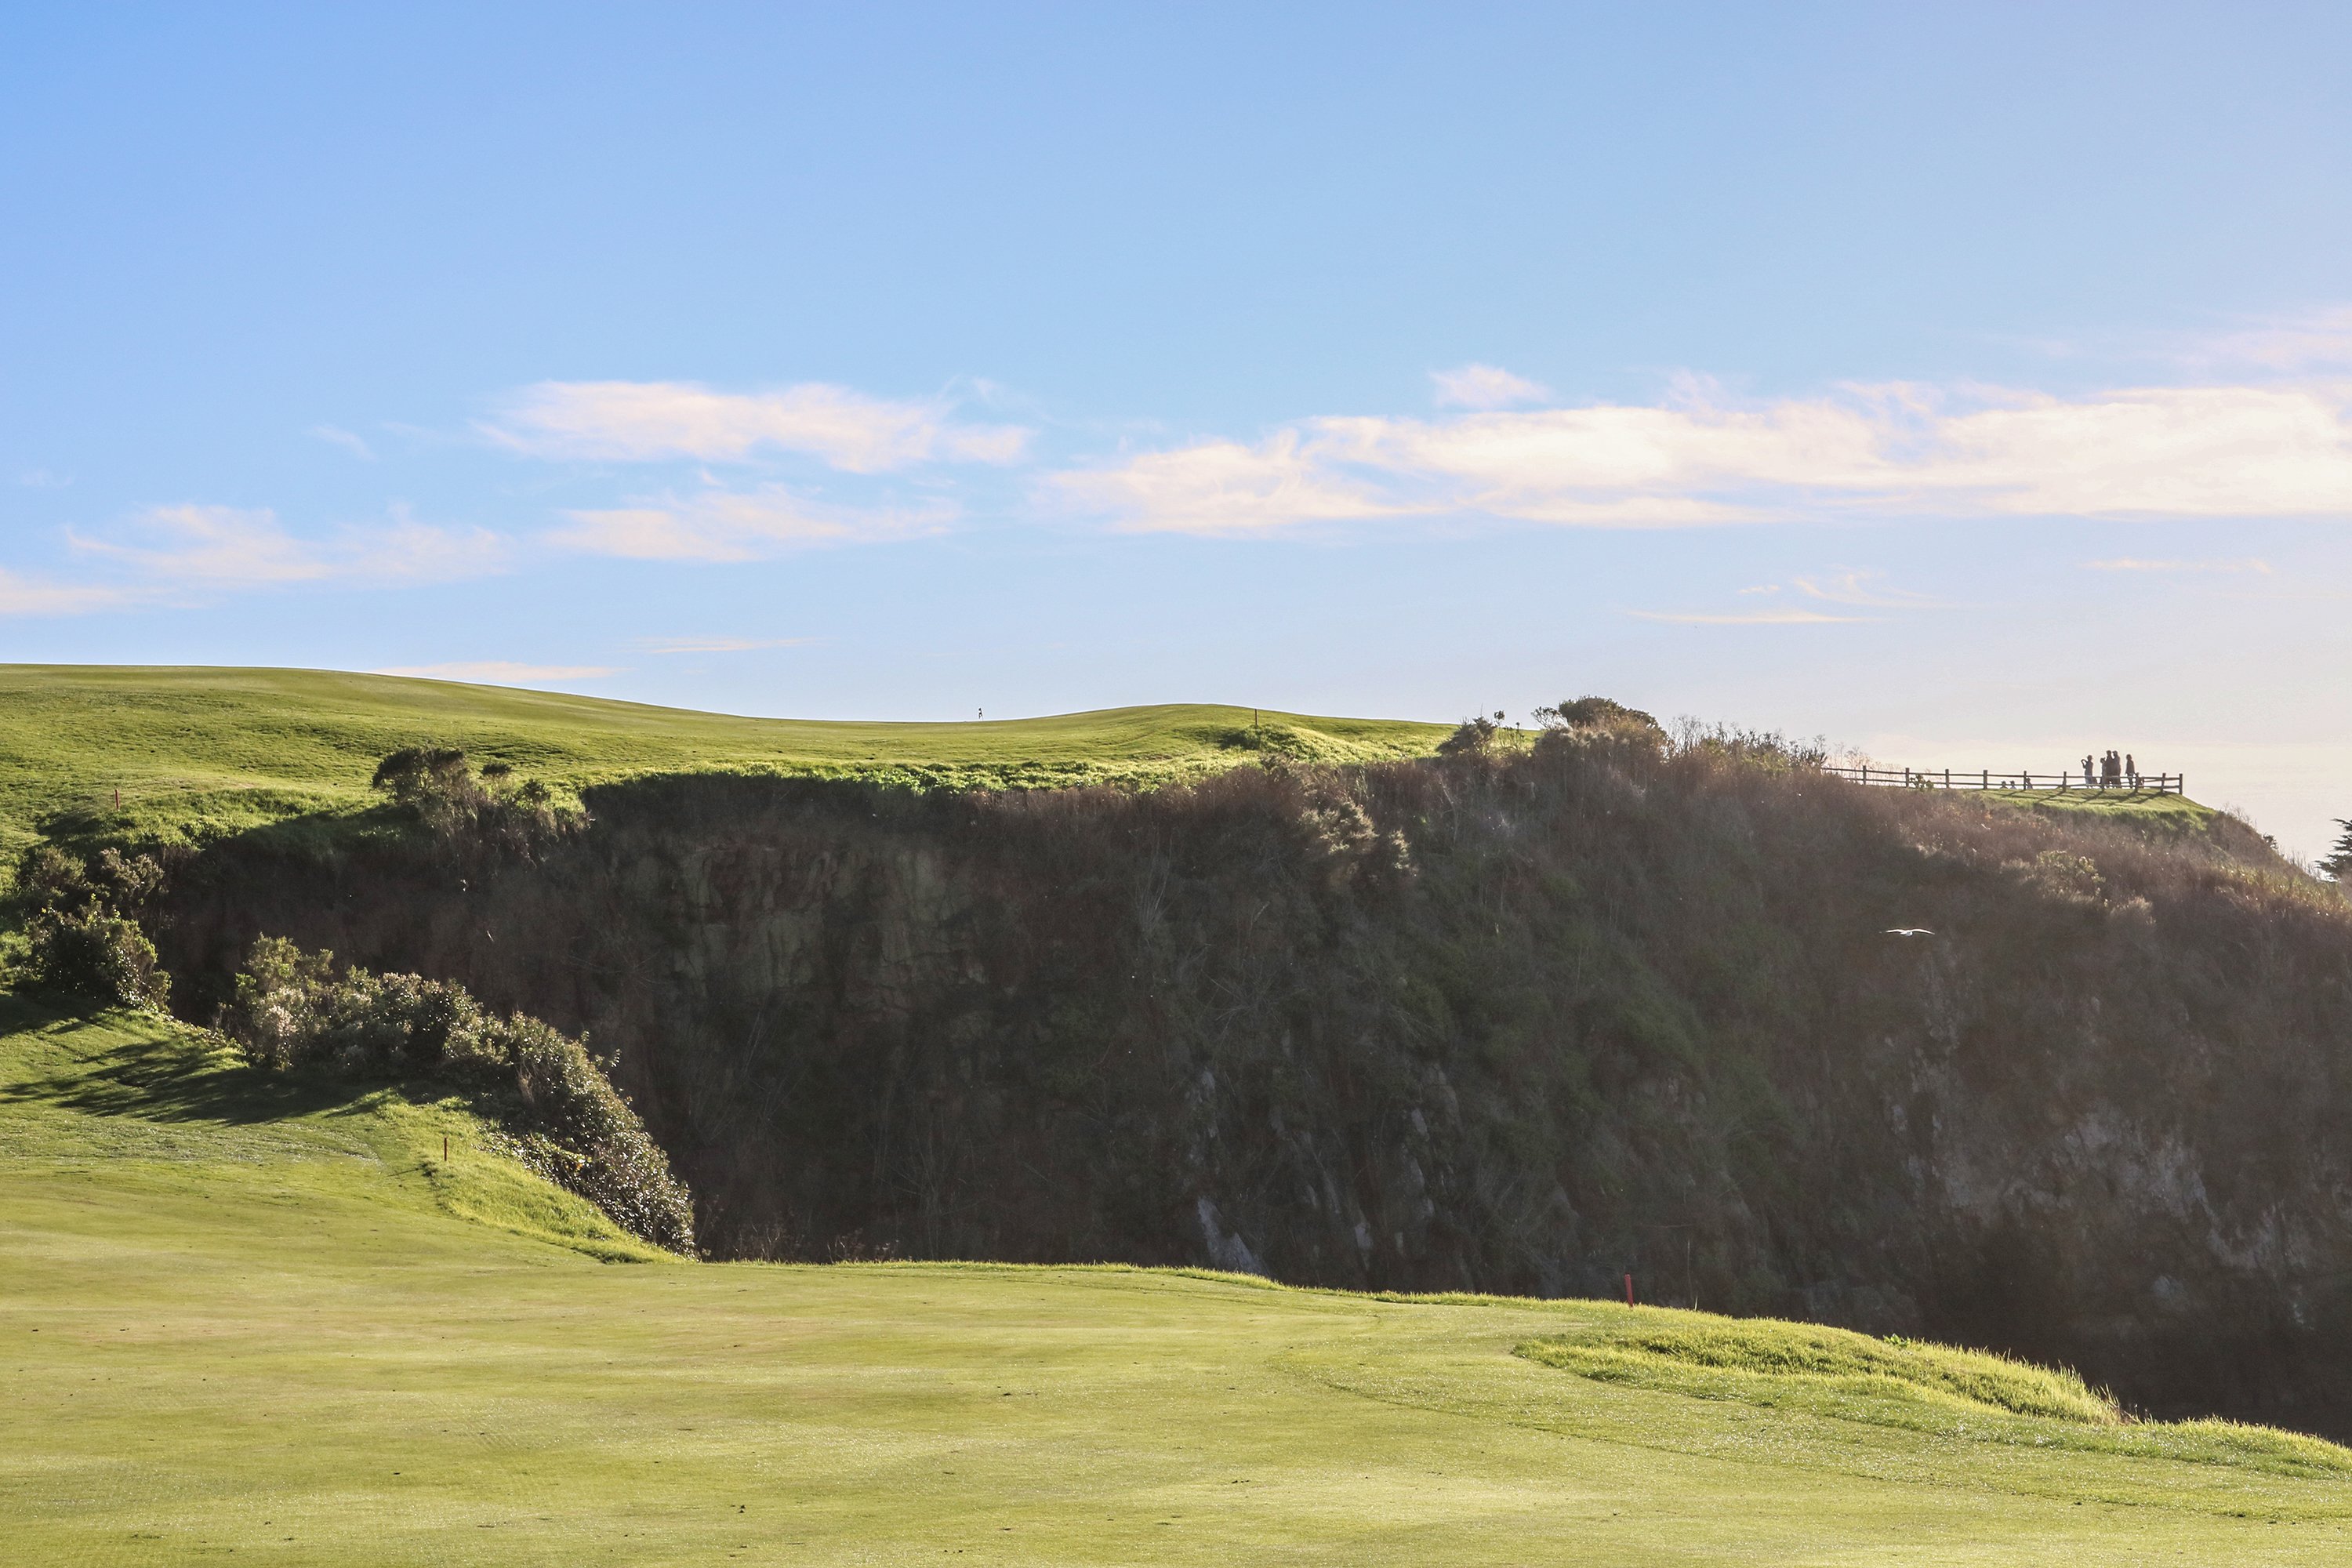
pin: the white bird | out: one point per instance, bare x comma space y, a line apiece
1909, 931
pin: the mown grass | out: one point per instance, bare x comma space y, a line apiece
1922, 1387
240, 1313
2167, 813
197, 753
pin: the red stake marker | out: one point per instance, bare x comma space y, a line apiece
1629, 1289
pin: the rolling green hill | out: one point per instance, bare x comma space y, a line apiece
240, 1315
195, 754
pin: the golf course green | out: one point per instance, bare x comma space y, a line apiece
260, 1316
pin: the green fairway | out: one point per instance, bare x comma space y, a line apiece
198, 751
241, 1313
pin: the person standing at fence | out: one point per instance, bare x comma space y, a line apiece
2131, 770
2086, 770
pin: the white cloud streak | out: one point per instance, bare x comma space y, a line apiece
190, 546
1748, 619
2131, 564
1699, 458
719, 645
1846, 587
174, 554
647, 421
27, 596
1224, 487
1485, 386
736, 525
334, 436
2320, 340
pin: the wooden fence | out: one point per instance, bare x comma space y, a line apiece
1985, 778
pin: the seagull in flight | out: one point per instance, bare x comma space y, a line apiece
1909, 931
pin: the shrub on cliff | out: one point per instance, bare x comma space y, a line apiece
1598, 713
293, 1010
489, 812
1472, 738
97, 953
79, 940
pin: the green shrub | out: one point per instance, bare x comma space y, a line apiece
95, 952
292, 1010
1598, 713
491, 813
1473, 738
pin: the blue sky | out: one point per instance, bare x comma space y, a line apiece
1971, 385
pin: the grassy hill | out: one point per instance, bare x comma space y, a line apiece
240, 1315
189, 754
194, 753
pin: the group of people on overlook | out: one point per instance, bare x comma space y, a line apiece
2115, 771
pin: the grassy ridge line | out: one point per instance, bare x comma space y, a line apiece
198, 752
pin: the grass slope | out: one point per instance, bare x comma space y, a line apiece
2166, 813
237, 1316
197, 752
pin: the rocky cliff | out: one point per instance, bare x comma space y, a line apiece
1518, 1023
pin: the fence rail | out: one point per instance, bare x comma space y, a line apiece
2018, 782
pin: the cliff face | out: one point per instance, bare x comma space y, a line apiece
1516, 1026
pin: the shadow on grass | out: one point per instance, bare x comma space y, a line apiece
289, 822
159, 1076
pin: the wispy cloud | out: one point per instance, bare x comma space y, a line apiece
2319, 339
503, 672
641, 421
719, 645
2131, 564
736, 525
335, 436
1837, 594
1792, 617
43, 479
175, 555
1484, 386
173, 548
1861, 588
1222, 486
1700, 459
23, 596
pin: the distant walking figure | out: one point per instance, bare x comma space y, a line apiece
2131, 770
2086, 770
2112, 773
